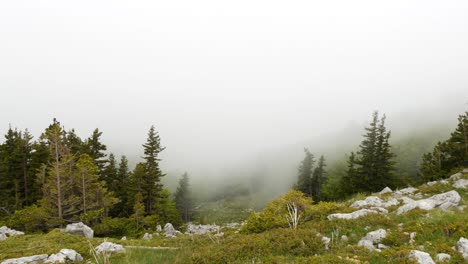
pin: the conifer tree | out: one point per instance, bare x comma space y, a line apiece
183, 198
304, 180
318, 179
96, 149
152, 186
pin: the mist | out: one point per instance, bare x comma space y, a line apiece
229, 86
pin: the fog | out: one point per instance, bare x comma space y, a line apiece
227, 84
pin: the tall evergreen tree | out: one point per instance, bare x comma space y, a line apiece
183, 198
304, 180
318, 179
96, 149
119, 188
152, 186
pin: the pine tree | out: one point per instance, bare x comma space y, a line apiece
120, 186
448, 155
152, 186
304, 180
384, 165
183, 198
318, 179
109, 174
96, 150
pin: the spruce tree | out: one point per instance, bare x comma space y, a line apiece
96, 149
318, 179
152, 186
304, 179
183, 198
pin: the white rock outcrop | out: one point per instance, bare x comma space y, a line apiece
353, 215
169, 230
443, 201
326, 241
147, 236
64, 256
109, 247
441, 257
386, 190
79, 229
8, 232
421, 257
405, 191
374, 201
201, 229
158, 228
456, 176
372, 238
3, 237
461, 184
462, 247
27, 260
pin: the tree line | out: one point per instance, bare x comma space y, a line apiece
61, 178
372, 167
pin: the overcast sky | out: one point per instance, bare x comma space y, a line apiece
222, 80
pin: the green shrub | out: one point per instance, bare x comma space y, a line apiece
116, 227
30, 219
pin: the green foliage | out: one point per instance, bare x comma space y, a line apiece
323, 209
30, 219
116, 227
304, 179
274, 215
183, 198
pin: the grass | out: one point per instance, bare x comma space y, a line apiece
436, 231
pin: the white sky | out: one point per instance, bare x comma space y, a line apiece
224, 80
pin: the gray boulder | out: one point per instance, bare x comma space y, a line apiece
158, 228
8, 232
421, 257
201, 229
456, 176
64, 256
109, 247
367, 244
2, 237
443, 201
442, 257
405, 191
376, 236
353, 215
374, 201
79, 229
386, 190
326, 241
147, 236
461, 184
27, 260
462, 246
169, 230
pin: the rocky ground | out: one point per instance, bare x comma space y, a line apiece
426, 224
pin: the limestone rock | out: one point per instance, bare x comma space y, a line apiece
8, 232
442, 201
158, 228
27, 260
366, 244
344, 238
2, 237
441, 257
64, 256
374, 201
461, 184
326, 242
462, 246
124, 238
421, 257
456, 176
169, 230
109, 247
375, 236
201, 229
386, 190
382, 246
353, 215
79, 229
147, 236
465, 171
411, 237
406, 191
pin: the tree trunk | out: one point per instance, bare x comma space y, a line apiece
59, 186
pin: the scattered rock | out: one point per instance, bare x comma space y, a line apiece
2, 237
465, 171
344, 238
124, 238
456, 176
219, 234
442, 257
353, 215
366, 244
27, 260
147, 236
201, 229
109, 247
442, 201
376, 236
64, 256
382, 246
386, 190
232, 225
421, 257
461, 184
158, 228
169, 230
374, 201
406, 200
326, 241
380, 210
462, 246
406, 191
79, 229
6, 232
